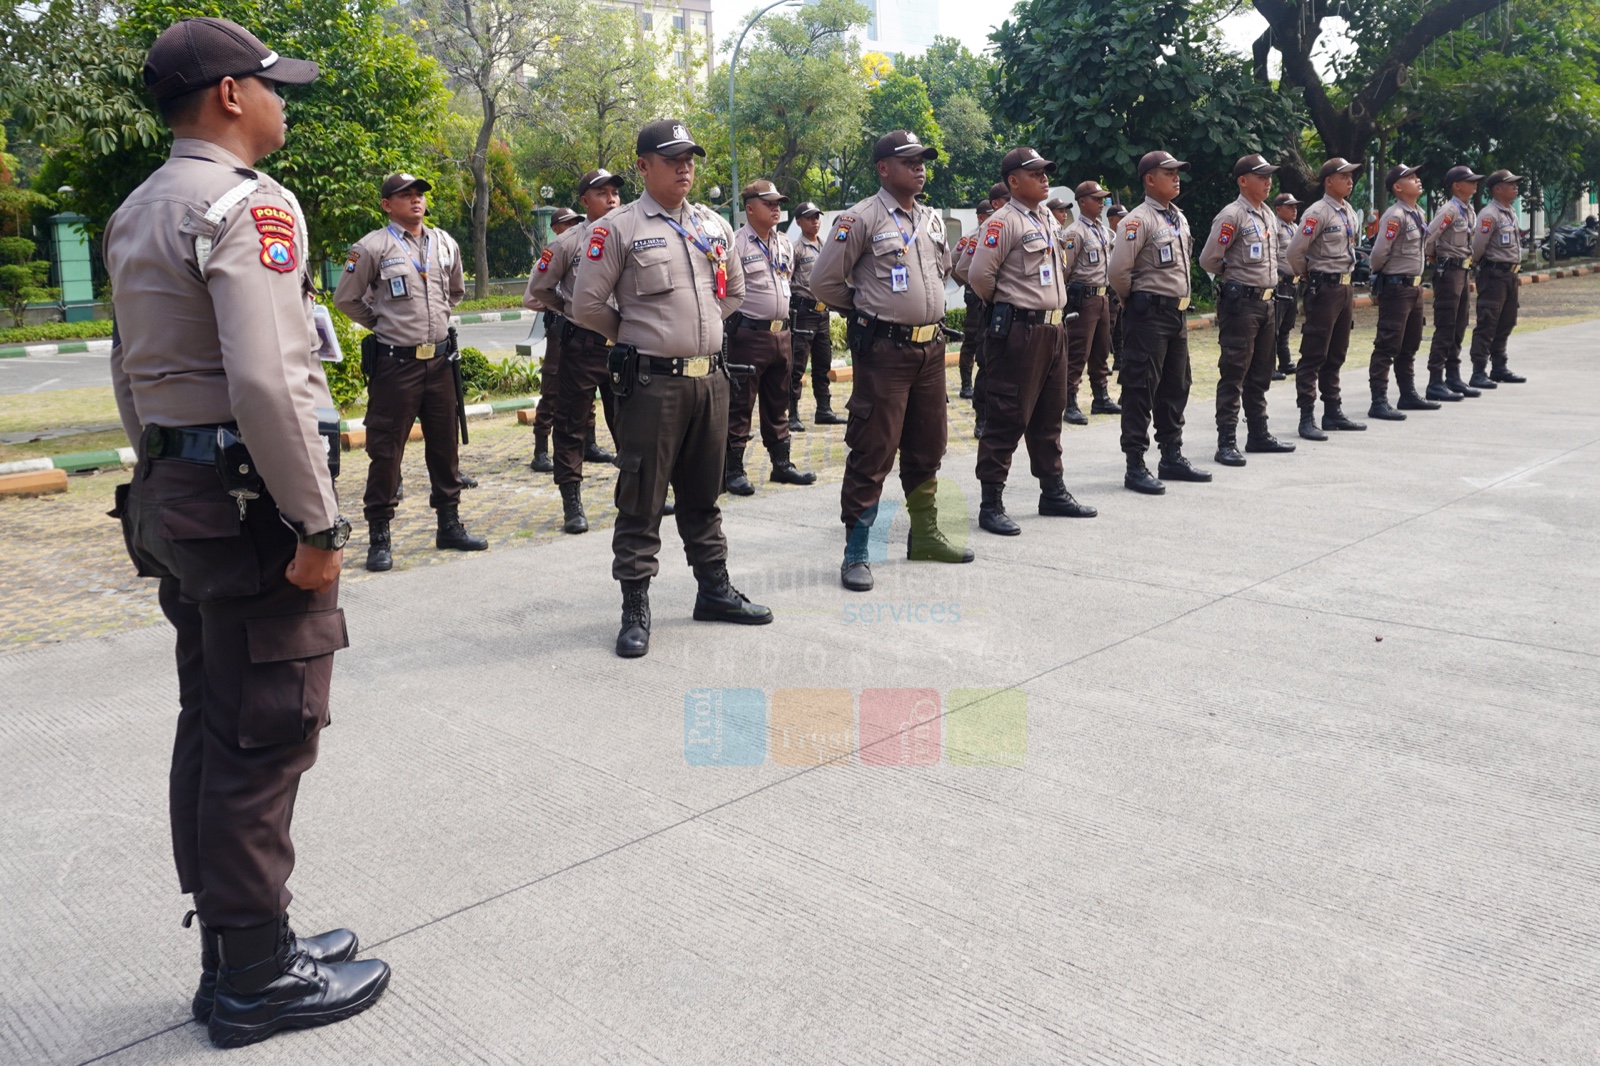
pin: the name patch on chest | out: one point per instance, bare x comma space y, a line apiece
752, 258
649, 242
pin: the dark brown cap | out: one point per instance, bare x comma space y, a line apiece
1283, 199
1025, 158
1056, 203
667, 137
762, 189
1090, 190
999, 191
902, 144
398, 183
1500, 177
985, 207
1396, 173
1164, 160
1455, 174
1337, 165
1116, 211
1253, 164
196, 52
807, 209
564, 216
599, 177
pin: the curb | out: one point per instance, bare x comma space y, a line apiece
493, 316
102, 344
474, 410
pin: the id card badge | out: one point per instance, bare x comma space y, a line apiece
1255, 250
397, 289
1094, 256
1505, 238
1047, 275
1164, 253
900, 278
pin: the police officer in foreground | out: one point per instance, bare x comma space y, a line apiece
1324, 253
1085, 259
884, 270
1449, 243
544, 415
1287, 294
658, 282
1150, 271
582, 367
1497, 249
400, 281
760, 339
1242, 252
1017, 270
976, 319
1397, 262
813, 336
232, 506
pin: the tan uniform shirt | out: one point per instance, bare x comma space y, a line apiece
229, 340
384, 288
1398, 249
1286, 232
1450, 232
1018, 261
961, 258
885, 263
1498, 238
665, 287
805, 260
1151, 252
767, 266
550, 280
1326, 240
1086, 251
1243, 245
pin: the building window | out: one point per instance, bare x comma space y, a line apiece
697, 19
647, 20
677, 23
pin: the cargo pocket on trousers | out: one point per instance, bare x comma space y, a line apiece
210, 555
860, 412
630, 488
120, 512
285, 697
1135, 372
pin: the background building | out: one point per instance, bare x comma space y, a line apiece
689, 19
901, 25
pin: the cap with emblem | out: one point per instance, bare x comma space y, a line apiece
1283, 199
1056, 203
1455, 174
1164, 160
1116, 211
1337, 165
1501, 177
902, 144
395, 184
1253, 164
599, 177
565, 215
1025, 159
762, 189
667, 137
985, 207
999, 191
807, 209
1088, 190
196, 52
1396, 173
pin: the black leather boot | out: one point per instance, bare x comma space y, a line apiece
719, 601
1438, 390
1480, 380
633, 639
336, 945
1072, 416
1139, 478
1175, 467
1380, 408
1453, 382
854, 573
379, 547
669, 508
1410, 401
1260, 440
1333, 418
1056, 502
966, 383
541, 463
733, 478
925, 541
574, 520
1103, 403
593, 453
1308, 425
1228, 447
266, 984
992, 511
1504, 375
784, 472
825, 415
453, 535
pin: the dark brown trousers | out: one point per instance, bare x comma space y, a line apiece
1247, 332
255, 660
972, 327
1155, 375
1027, 391
397, 392
1400, 323
1324, 342
544, 415
897, 405
670, 431
817, 350
582, 371
1451, 302
1089, 344
769, 354
1283, 302
1499, 294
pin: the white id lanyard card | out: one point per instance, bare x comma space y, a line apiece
900, 278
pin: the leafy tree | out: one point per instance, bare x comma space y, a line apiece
897, 102
22, 277
510, 224
977, 133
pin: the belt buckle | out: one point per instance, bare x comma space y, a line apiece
697, 366
425, 351
1344, 279
1266, 294
819, 307
1466, 264
775, 326
1183, 303
1053, 317
1416, 279
923, 334
1516, 268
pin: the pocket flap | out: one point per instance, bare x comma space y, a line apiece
296, 636
859, 406
200, 519
630, 462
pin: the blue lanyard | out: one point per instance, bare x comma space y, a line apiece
1415, 216
1049, 241
701, 242
777, 268
894, 216
1096, 228
427, 250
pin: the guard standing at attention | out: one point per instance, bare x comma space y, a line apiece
760, 339
976, 319
1397, 262
1242, 253
1150, 271
1017, 270
1497, 249
544, 415
1085, 258
884, 269
1449, 242
1061, 211
1283, 205
1114, 216
232, 507
400, 282
1324, 253
659, 280
812, 325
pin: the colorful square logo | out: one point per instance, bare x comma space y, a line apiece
811, 726
900, 727
725, 727
986, 727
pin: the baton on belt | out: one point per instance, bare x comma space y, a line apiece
461, 387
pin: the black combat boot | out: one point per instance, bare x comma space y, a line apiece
992, 511
1103, 403
1438, 390
379, 546
1279, 373
1333, 418
719, 601
266, 983
1228, 447
795, 425
1260, 440
1139, 478
784, 472
593, 453
336, 945
453, 535
669, 508
1504, 375
1453, 382
825, 415
541, 463
1380, 408
574, 520
733, 477
966, 383
1481, 380
925, 541
633, 639
1175, 467
1072, 416
1056, 502
1409, 400
854, 573
1308, 425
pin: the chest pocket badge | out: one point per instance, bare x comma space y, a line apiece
398, 290
1164, 254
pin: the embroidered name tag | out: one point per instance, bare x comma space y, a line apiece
876, 237
752, 258
649, 242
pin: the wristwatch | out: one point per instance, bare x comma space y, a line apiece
331, 539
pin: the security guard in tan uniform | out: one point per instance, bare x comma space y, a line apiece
1497, 249
812, 324
1397, 262
658, 278
976, 319
884, 270
400, 282
1061, 211
1115, 213
760, 339
1288, 293
1017, 270
1449, 243
1324, 253
544, 416
1242, 253
1150, 272
232, 507
1085, 258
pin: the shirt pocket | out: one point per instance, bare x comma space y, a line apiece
652, 271
396, 282
1164, 251
884, 258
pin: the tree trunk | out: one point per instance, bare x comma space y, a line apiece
480, 202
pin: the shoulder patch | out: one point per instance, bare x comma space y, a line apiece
1392, 230
1448, 218
1072, 242
846, 220
1228, 230
544, 260
268, 213
844, 223
597, 242
1488, 224
277, 253
1130, 229
1309, 228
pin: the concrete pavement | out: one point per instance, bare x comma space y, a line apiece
1297, 767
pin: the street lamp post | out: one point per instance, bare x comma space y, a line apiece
733, 145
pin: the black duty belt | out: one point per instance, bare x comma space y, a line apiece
408, 351
1403, 281
803, 303
1452, 264
1500, 268
187, 444
694, 367
1329, 278
760, 325
878, 329
1029, 317
571, 331
1249, 292
1171, 303
1085, 290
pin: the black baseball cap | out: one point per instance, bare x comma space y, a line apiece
1396, 173
1501, 177
985, 207
599, 177
1163, 160
1116, 211
902, 144
1455, 174
1253, 164
194, 53
667, 137
999, 191
807, 209
566, 214
1090, 190
1024, 158
1283, 199
398, 183
1056, 203
1337, 165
